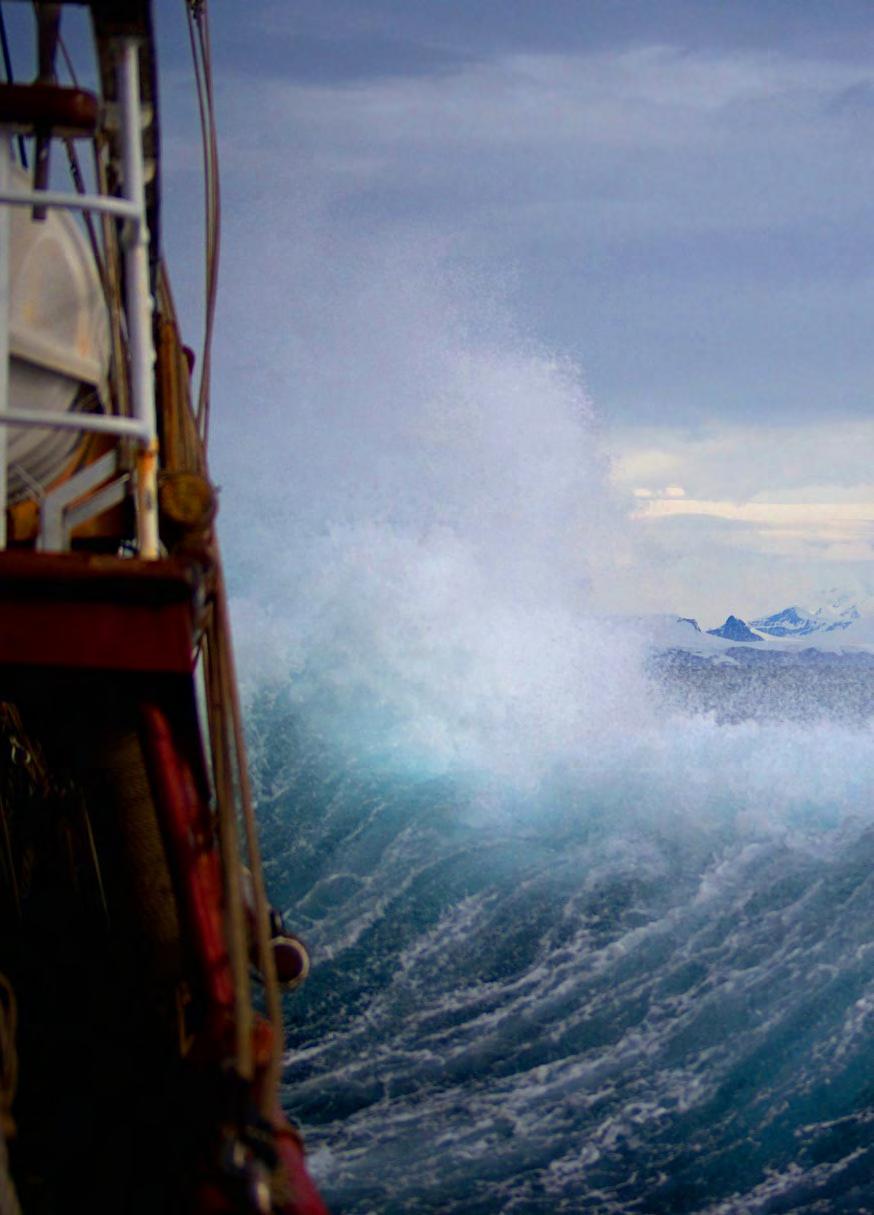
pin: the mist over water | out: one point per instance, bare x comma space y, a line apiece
438, 512
575, 949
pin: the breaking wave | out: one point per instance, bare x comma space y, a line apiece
573, 950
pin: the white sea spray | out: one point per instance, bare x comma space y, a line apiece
575, 948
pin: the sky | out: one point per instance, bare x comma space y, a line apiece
673, 198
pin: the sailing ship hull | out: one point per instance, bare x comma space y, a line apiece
140, 1021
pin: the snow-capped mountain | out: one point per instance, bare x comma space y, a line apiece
841, 622
839, 610
795, 621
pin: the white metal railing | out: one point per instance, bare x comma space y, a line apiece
141, 425
119, 207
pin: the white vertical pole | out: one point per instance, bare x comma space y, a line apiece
5, 182
138, 299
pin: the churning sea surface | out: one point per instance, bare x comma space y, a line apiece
578, 945
643, 982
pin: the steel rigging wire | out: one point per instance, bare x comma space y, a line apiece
201, 53
228, 742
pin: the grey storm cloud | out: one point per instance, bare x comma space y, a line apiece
679, 207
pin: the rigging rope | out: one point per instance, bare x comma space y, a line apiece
228, 743
232, 788
7, 67
201, 53
238, 953
262, 910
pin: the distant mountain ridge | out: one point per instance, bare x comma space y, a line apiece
794, 622
840, 610
839, 614
798, 664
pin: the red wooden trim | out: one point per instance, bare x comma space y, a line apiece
97, 636
93, 575
104, 613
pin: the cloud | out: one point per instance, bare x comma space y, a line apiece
633, 140
838, 531
815, 463
708, 565
649, 100
607, 97
687, 224
810, 514
767, 511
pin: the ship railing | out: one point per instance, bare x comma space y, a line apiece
141, 426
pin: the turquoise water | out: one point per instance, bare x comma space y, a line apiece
644, 983
576, 947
